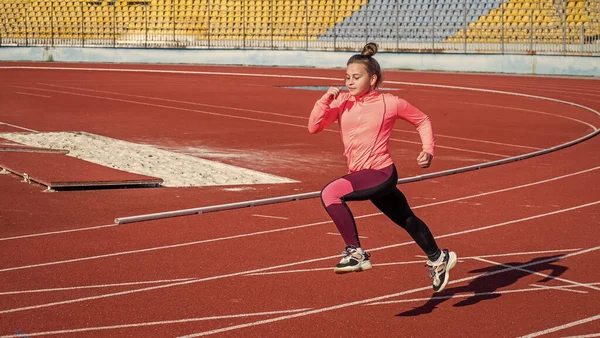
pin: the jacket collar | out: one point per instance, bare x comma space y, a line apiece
367, 96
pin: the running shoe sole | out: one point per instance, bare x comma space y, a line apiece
365, 265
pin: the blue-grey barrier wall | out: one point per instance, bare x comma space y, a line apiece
507, 63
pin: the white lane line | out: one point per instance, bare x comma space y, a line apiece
57, 232
241, 273
473, 140
447, 147
578, 93
275, 114
19, 127
562, 288
294, 227
268, 216
591, 335
465, 295
179, 245
163, 322
531, 111
375, 299
303, 126
288, 271
98, 286
325, 269
562, 327
539, 274
337, 234
523, 253
287, 76
514, 253
521, 220
175, 101
418, 206
168, 107
38, 95
420, 261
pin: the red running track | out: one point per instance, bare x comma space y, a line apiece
526, 232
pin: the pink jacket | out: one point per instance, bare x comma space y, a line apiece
366, 124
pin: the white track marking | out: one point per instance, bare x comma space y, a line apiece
296, 227
472, 139
464, 295
280, 76
562, 327
584, 99
538, 273
513, 253
520, 220
164, 322
591, 335
278, 114
522, 253
531, 111
177, 101
593, 91
57, 232
168, 107
288, 271
421, 261
562, 288
38, 95
325, 269
377, 214
370, 300
164, 247
455, 148
18, 127
303, 126
98, 286
241, 273
267, 216
502, 190
337, 234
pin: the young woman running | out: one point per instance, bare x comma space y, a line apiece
366, 118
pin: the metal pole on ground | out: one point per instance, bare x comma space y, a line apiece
265, 201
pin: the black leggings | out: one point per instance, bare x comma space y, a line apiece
379, 186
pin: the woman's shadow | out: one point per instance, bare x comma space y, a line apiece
484, 287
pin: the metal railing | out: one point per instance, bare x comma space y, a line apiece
558, 27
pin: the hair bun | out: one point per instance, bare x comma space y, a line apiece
369, 49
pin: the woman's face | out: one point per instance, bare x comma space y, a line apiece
358, 80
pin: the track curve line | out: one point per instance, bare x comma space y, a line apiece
287, 198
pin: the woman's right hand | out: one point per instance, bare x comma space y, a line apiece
333, 92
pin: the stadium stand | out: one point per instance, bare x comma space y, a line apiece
449, 21
540, 21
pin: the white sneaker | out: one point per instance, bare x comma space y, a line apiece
440, 273
355, 259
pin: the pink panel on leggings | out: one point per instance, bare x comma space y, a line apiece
335, 190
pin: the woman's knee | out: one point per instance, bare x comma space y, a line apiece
334, 192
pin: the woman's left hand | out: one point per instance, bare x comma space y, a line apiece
424, 159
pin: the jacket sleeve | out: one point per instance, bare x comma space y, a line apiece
324, 113
421, 121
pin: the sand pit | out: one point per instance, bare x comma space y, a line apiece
177, 170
